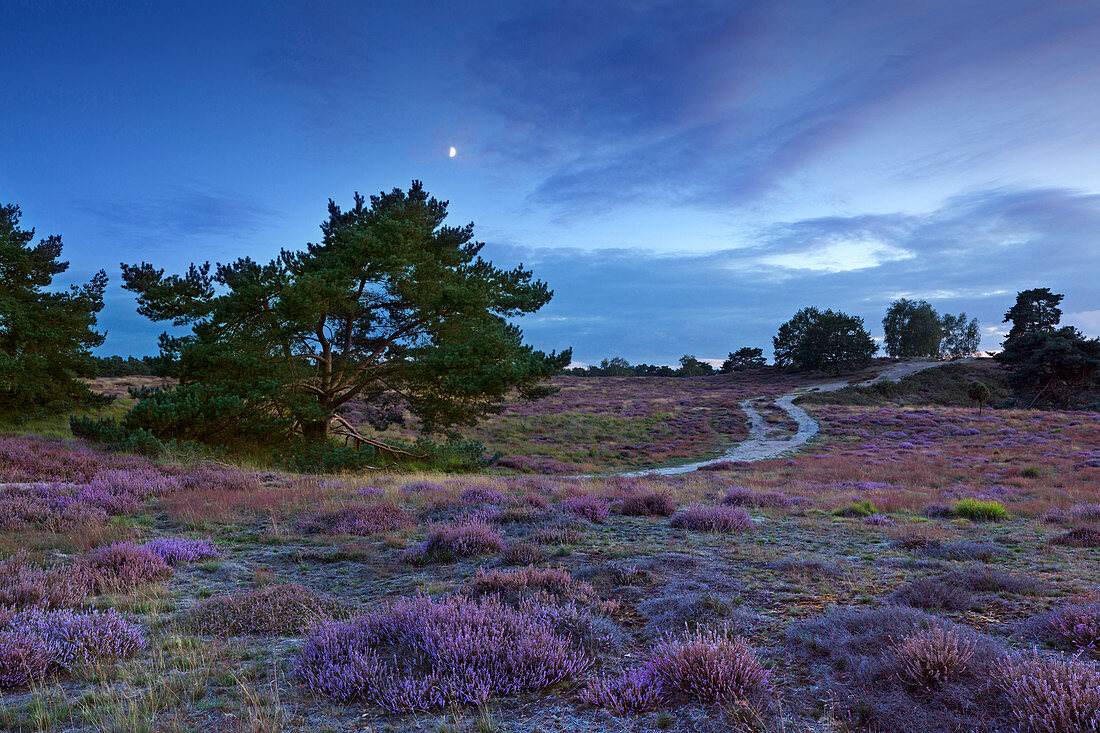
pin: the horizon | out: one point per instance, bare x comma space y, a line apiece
684, 177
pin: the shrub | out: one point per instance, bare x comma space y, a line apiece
177, 550
878, 520
1076, 626
123, 566
932, 657
587, 507
556, 582
360, 519
278, 609
962, 550
931, 593
985, 580
419, 653
741, 496
482, 495
1050, 695
707, 666
1079, 537
522, 553
36, 644
1086, 512
856, 509
978, 510
23, 583
712, 518
455, 539
559, 535
655, 504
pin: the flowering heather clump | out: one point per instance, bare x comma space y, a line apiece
879, 520
978, 510
177, 550
712, 518
419, 653
559, 535
361, 519
932, 657
931, 593
513, 583
1085, 512
221, 478
1079, 537
522, 553
707, 666
656, 504
280, 609
936, 511
455, 539
587, 507
635, 690
1077, 626
1051, 695
123, 566
482, 495
23, 583
36, 644
741, 496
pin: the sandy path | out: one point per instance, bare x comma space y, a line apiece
762, 446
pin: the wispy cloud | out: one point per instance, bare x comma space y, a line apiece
971, 254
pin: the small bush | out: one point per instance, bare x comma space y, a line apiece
559, 535
23, 584
482, 495
741, 496
281, 609
178, 550
706, 666
656, 504
878, 520
556, 582
961, 550
1076, 626
1050, 695
419, 654
1079, 537
932, 657
37, 644
360, 520
856, 509
455, 539
522, 553
1031, 472
978, 510
931, 593
980, 579
706, 518
587, 507
123, 566
1085, 512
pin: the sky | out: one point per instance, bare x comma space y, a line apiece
685, 175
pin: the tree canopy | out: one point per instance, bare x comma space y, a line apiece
823, 340
912, 328
392, 302
44, 335
960, 337
1059, 369
1035, 311
747, 357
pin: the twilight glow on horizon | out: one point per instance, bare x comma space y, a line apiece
685, 175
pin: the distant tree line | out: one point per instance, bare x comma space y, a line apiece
116, 366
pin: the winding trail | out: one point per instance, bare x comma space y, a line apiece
762, 443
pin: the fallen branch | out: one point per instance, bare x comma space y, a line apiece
349, 431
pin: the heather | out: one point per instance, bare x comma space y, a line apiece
37, 644
277, 609
419, 654
857, 599
1051, 694
704, 518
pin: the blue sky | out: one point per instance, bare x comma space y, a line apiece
685, 175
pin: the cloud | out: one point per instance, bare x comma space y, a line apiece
720, 104
972, 254
182, 217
